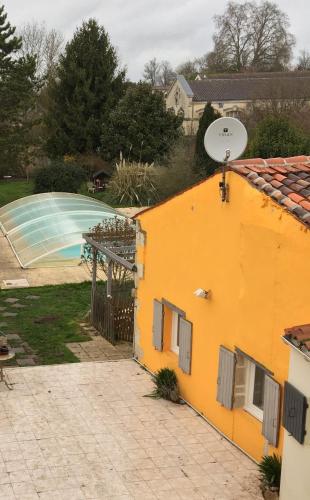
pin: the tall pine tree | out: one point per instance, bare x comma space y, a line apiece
204, 165
88, 85
17, 96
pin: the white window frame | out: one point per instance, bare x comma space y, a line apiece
175, 321
250, 379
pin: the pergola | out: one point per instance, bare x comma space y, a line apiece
114, 250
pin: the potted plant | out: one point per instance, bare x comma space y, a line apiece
270, 469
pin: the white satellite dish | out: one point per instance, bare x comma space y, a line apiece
225, 139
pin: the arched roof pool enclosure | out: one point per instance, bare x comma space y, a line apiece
45, 230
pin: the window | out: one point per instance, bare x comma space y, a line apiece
233, 114
175, 322
255, 390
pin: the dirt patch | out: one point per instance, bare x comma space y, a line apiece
45, 319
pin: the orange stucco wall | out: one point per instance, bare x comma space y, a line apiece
255, 259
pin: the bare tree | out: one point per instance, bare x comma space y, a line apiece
251, 36
151, 71
303, 63
166, 73
202, 64
271, 43
188, 69
43, 44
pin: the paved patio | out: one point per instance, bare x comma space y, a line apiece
85, 431
98, 348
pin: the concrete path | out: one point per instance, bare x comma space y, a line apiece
85, 431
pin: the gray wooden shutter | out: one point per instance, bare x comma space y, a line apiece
226, 377
158, 324
294, 412
185, 345
271, 419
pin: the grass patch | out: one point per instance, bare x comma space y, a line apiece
13, 190
49, 322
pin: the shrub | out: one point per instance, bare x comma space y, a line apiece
59, 176
133, 183
179, 173
166, 385
270, 469
276, 136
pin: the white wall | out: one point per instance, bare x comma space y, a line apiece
295, 478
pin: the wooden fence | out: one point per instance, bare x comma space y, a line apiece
113, 316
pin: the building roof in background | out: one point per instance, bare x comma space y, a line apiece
248, 87
299, 336
285, 180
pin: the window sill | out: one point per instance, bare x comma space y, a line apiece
254, 411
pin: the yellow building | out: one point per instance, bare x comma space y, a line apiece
251, 257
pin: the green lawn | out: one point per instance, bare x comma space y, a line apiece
12, 190
49, 322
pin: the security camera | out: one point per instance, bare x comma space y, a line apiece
203, 294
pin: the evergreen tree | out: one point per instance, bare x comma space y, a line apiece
87, 86
17, 95
140, 126
205, 166
276, 136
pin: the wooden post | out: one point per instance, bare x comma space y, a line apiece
94, 281
109, 282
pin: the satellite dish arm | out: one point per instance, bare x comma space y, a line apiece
223, 185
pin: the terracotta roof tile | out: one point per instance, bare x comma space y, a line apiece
303, 175
278, 195
267, 177
279, 177
286, 180
281, 170
299, 336
303, 183
305, 204
296, 187
305, 193
286, 190
295, 197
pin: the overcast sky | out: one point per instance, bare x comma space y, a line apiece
175, 30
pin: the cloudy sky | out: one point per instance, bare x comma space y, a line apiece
175, 30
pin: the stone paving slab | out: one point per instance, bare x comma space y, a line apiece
85, 431
9, 314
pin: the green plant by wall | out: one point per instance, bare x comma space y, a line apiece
270, 469
166, 385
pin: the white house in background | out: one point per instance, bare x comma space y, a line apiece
295, 478
231, 94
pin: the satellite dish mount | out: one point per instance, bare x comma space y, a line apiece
225, 140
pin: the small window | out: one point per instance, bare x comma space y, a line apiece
220, 104
255, 390
175, 332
